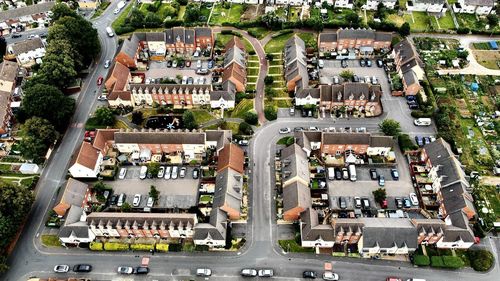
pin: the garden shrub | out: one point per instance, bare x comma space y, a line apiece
421, 260
141, 247
162, 247
111, 246
96, 246
437, 261
481, 260
453, 262
175, 247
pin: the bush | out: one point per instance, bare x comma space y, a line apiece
162, 247
437, 261
271, 113
175, 247
96, 246
421, 260
142, 247
110, 246
481, 260
421, 114
251, 118
453, 262
405, 143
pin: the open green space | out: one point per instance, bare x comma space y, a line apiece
50, 241
222, 39
277, 44
275, 70
293, 247
164, 11
221, 15
396, 19
421, 23
252, 79
202, 116
241, 108
252, 71
258, 32
253, 64
446, 21
120, 20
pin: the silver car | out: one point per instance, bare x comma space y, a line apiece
175, 169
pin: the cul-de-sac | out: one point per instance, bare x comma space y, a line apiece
249, 140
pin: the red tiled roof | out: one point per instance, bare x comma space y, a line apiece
123, 95
102, 137
231, 156
235, 71
235, 41
87, 156
118, 78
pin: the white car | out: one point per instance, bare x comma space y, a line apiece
414, 199
203, 272
182, 173
321, 63
161, 172
367, 79
266, 272
168, 172
102, 98
107, 63
285, 130
174, 172
61, 268
312, 128
198, 64
174, 63
328, 275
150, 202
125, 270
116, 11
243, 142
123, 173
137, 200
143, 173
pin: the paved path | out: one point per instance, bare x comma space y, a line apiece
216, 121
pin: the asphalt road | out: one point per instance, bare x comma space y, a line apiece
31, 259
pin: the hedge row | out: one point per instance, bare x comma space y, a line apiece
96, 246
142, 247
447, 262
421, 260
111, 246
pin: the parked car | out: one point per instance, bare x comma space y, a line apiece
368, 63
336, 80
141, 270
267, 272
399, 202
345, 174
343, 63
188, 63
309, 274
381, 180
123, 173
198, 64
99, 81
366, 203
190, 81
203, 272
374, 80
362, 62
395, 174
102, 98
210, 64
427, 140
419, 140
368, 79
285, 130
338, 174
380, 63
182, 172
314, 129
137, 200
406, 202
355, 78
413, 106
82, 268
121, 199
168, 172
248, 272
175, 169
414, 199
342, 203
169, 63
357, 202
107, 63
161, 172
17, 35
113, 200
321, 63
143, 172
61, 268
150, 202
384, 204
298, 129
196, 173
202, 71
373, 174
174, 63
125, 270
182, 64
328, 275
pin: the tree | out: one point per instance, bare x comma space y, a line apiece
347, 74
48, 102
58, 70
251, 118
492, 20
352, 19
188, 120
405, 143
245, 129
270, 113
272, 20
268, 80
481, 260
404, 30
63, 47
104, 116
15, 204
154, 168
270, 57
3, 46
125, 207
61, 10
390, 127
100, 187
182, 2
193, 13
380, 195
153, 192
137, 117
37, 136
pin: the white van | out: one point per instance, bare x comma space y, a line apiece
331, 173
422, 122
110, 31
352, 172
123, 173
143, 173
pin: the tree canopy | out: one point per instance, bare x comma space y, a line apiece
390, 127
48, 102
37, 136
189, 120
104, 116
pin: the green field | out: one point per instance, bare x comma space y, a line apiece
231, 15
241, 108
422, 21
277, 44
202, 116
275, 70
122, 17
252, 71
446, 22
258, 32
163, 12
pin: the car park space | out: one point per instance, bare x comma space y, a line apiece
173, 193
160, 70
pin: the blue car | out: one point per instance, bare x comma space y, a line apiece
419, 140
210, 64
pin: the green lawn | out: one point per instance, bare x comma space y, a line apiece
258, 32
241, 108
252, 79
202, 116
253, 57
163, 12
396, 19
292, 246
277, 44
275, 70
252, 71
310, 39
253, 64
232, 15
279, 103
222, 39
285, 140
446, 22
121, 19
51, 241
182, 11
205, 198
422, 21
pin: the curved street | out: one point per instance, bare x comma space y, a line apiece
31, 259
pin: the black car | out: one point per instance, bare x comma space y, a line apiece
196, 173
309, 274
366, 203
44, 35
181, 64
338, 174
141, 270
406, 202
169, 63
362, 62
113, 200
413, 106
373, 174
343, 63
399, 202
16, 35
342, 203
368, 63
380, 63
298, 129
82, 268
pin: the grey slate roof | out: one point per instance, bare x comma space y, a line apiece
410, 77
384, 36
161, 137
312, 230
351, 33
155, 36
8, 70
328, 37
178, 34
26, 11
460, 229
203, 31
294, 163
169, 36
222, 137
296, 195
228, 189
236, 55
189, 36
490, 3
304, 93
73, 225
215, 229
406, 51
130, 45
74, 192
387, 233
440, 154
26, 46
217, 95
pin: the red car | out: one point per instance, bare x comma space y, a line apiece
99, 81
89, 136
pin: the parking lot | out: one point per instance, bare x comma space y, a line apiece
159, 69
364, 186
174, 193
